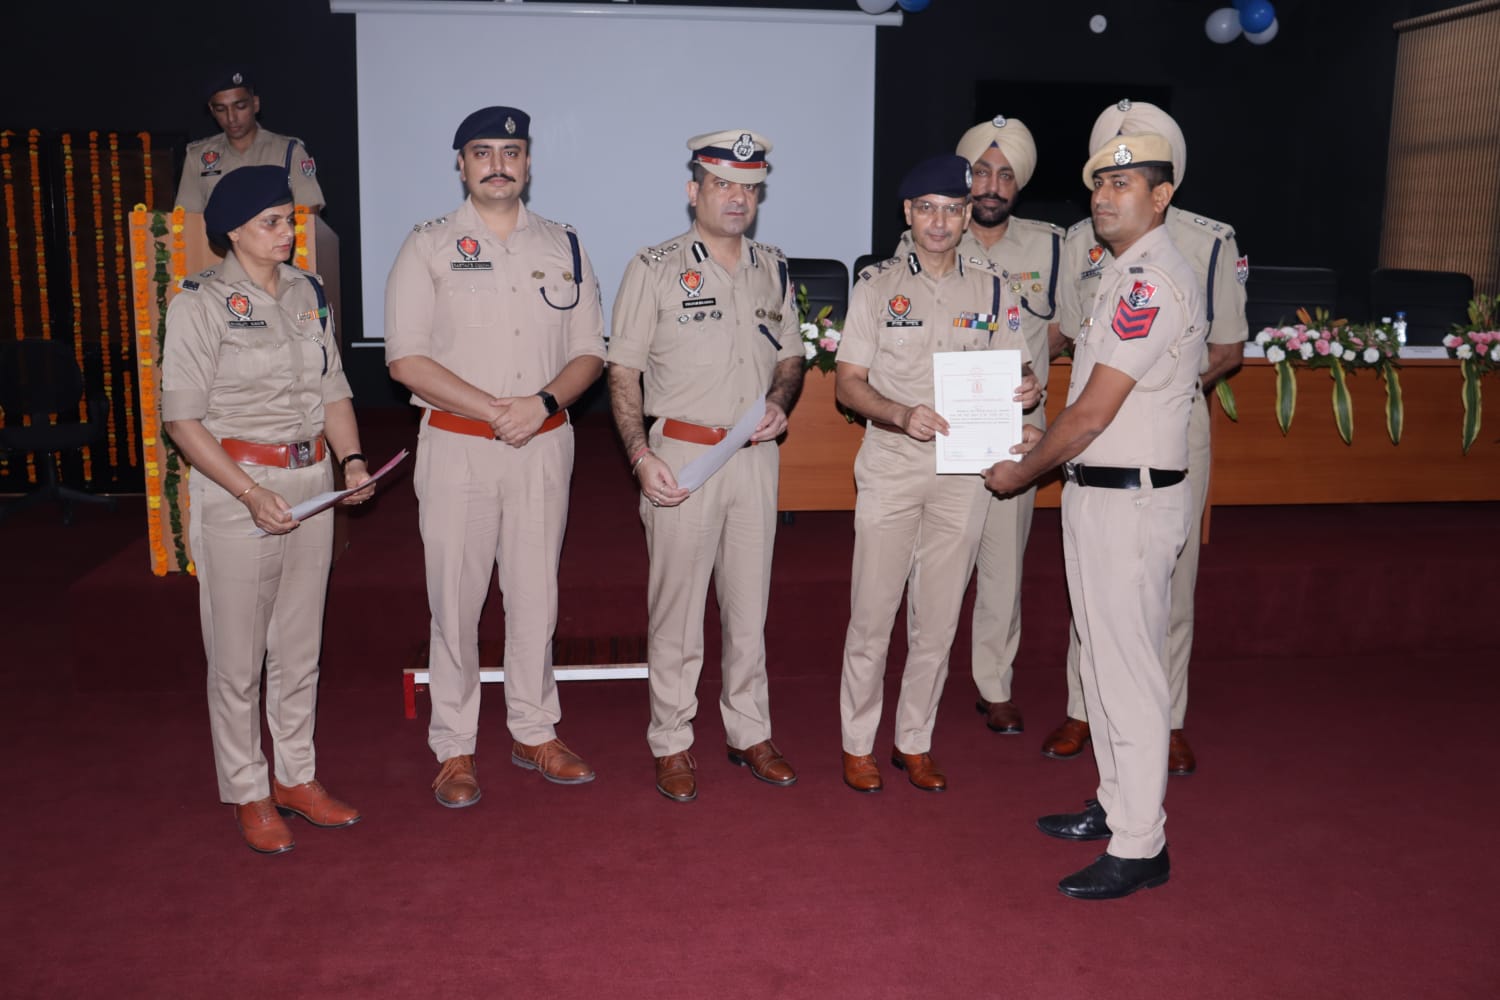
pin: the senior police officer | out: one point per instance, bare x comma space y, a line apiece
1126, 504
1002, 155
1210, 248
493, 320
254, 395
914, 530
234, 105
708, 317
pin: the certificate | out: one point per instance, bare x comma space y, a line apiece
974, 391
698, 470
316, 505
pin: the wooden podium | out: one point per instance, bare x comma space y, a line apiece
166, 247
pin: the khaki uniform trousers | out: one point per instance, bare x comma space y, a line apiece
483, 503
1184, 583
726, 530
1118, 548
996, 632
913, 531
260, 601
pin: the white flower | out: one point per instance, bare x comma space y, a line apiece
809, 332
1349, 354
1306, 350
837, 336
1287, 332
1452, 340
1263, 337
1465, 351
1371, 355
809, 350
1495, 353
1275, 355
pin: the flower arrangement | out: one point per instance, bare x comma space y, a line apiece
1477, 347
1340, 347
820, 334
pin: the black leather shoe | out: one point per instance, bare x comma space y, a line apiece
1110, 877
1086, 825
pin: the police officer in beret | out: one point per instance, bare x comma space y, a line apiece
1222, 271
914, 530
254, 394
1127, 504
708, 318
493, 321
234, 105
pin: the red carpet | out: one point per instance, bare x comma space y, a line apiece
1333, 844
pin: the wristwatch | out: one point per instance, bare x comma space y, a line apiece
549, 401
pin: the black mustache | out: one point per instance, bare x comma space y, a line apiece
502, 174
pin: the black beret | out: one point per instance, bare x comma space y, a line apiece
493, 123
946, 176
241, 195
229, 80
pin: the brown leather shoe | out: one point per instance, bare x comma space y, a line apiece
861, 773
674, 776
312, 802
557, 763
1067, 740
264, 830
1001, 716
765, 762
457, 784
1180, 759
920, 770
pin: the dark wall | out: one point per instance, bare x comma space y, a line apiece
1286, 141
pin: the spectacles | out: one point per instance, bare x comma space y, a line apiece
952, 209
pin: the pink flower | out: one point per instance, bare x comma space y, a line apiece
1321, 347
828, 344
1356, 341
1452, 340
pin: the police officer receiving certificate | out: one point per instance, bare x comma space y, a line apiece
1126, 505
493, 320
709, 318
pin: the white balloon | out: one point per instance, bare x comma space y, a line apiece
1098, 23
876, 6
1262, 37
1223, 25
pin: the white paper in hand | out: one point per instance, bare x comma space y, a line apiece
698, 471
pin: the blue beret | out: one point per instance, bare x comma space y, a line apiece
230, 80
946, 176
493, 123
241, 195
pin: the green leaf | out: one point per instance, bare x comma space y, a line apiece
1225, 392
1286, 395
1472, 402
1395, 409
1343, 408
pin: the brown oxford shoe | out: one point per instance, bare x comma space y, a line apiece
557, 763
861, 773
312, 802
765, 762
1001, 716
263, 829
674, 776
920, 770
1067, 740
1180, 759
457, 783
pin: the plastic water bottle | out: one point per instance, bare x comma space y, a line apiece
1401, 328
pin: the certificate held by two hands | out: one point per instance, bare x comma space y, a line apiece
974, 391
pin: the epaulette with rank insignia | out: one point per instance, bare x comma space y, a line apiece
1048, 227
189, 285
655, 255
768, 248
419, 227
875, 268
1079, 224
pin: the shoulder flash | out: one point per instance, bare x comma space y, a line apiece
419, 227
188, 285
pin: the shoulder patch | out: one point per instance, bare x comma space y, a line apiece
188, 285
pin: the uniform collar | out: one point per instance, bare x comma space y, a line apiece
914, 264
697, 248
232, 272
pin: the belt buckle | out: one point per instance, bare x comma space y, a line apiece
1070, 473
299, 454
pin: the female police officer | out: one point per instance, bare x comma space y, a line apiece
255, 396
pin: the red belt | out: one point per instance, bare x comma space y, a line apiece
297, 455
445, 421
681, 430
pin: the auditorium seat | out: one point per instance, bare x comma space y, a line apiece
1432, 300
1274, 294
827, 283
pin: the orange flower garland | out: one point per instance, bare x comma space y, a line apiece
70, 208
145, 354
179, 248
145, 138
8, 172
299, 257
33, 137
126, 351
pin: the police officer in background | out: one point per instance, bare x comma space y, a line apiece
493, 320
1002, 155
709, 318
1126, 505
234, 105
914, 530
1210, 248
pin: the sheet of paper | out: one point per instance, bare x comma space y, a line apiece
974, 392
321, 502
697, 472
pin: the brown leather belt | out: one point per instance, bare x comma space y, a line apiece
297, 455
681, 430
445, 421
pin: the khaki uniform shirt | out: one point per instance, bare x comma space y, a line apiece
210, 159
708, 340
1210, 249
250, 365
1146, 319
899, 316
494, 312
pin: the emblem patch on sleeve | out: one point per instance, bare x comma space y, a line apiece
309, 168
1132, 322
1242, 270
1140, 294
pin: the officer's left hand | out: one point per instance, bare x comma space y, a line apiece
1029, 392
517, 419
772, 425
355, 478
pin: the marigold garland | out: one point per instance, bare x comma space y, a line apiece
149, 423
15, 257
117, 210
299, 258
172, 479
33, 150
70, 210
145, 138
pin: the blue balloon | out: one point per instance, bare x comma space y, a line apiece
1256, 15
914, 5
